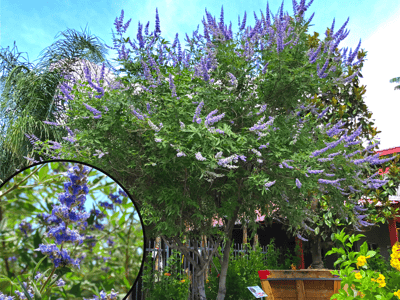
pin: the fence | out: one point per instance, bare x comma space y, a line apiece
161, 254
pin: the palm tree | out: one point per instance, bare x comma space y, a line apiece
30, 95
396, 79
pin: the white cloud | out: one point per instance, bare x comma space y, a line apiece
381, 65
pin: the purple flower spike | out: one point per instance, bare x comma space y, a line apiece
197, 112
298, 183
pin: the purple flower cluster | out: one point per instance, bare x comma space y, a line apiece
70, 211
59, 257
106, 204
315, 171
197, 112
25, 227
225, 162
285, 165
259, 126
4, 297
22, 295
103, 296
211, 120
97, 113
268, 184
298, 183
256, 152
200, 157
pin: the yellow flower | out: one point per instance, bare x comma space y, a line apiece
361, 260
358, 276
183, 280
397, 294
207, 281
380, 280
293, 267
381, 277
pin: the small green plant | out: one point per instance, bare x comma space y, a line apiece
242, 272
379, 263
171, 284
273, 256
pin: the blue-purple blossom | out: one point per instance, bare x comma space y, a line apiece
286, 165
154, 127
106, 204
198, 110
22, 295
256, 152
60, 282
268, 184
210, 119
180, 153
298, 183
99, 226
225, 162
51, 123
137, 114
122, 193
200, 157
306, 227
103, 296
315, 171
12, 258
301, 238
25, 227
99, 153
92, 109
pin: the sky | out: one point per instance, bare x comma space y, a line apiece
34, 25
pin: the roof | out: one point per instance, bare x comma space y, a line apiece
388, 151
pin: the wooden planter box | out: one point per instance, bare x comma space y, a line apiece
301, 284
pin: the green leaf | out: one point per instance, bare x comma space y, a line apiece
24, 290
76, 290
127, 284
122, 220
37, 266
316, 231
38, 295
364, 248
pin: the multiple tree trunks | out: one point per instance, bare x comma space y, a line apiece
301, 284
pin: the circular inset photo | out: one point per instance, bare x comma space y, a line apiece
67, 231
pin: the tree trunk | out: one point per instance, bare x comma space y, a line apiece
317, 262
199, 284
224, 271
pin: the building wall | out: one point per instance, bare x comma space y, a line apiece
378, 236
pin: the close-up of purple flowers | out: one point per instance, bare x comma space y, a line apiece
68, 237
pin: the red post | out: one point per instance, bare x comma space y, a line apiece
302, 265
392, 232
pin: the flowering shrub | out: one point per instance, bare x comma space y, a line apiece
60, 247
181, 145
369, 283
